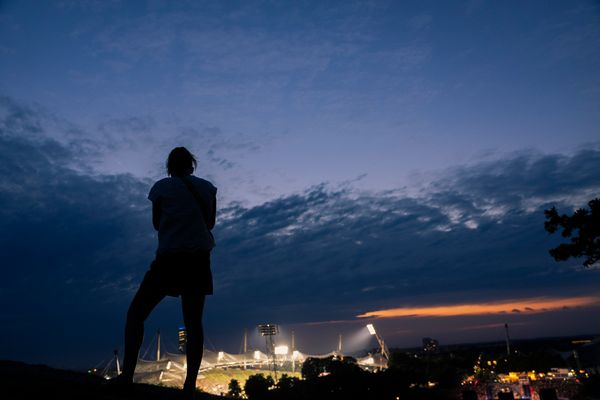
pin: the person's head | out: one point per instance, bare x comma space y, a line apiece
180, 162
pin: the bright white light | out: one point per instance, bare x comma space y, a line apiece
371, 329
295, 354
370, 361
220, 356
169, 365
256, 355
281, 350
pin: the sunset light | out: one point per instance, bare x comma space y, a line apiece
532, 305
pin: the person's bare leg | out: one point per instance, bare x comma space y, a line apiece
146, 298
193, 308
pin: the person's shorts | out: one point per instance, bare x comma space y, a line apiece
178, 273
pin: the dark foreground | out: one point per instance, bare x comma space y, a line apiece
24, 381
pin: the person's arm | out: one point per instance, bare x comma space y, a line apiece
155, 215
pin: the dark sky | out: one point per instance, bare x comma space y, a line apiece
385, 161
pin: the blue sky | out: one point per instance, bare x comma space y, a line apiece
369, 156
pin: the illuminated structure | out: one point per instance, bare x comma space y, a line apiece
157, 344
117, 363
181, 339
294, 352
384, 351
268, 331
169, 369
528, 384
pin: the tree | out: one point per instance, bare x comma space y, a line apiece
287, 383
410, 368
235, 390
583, 227
257, 386
312, 367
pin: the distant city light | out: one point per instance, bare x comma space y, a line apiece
371, 329
281, 350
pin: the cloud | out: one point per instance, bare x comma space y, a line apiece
453, 310
388, 237
333, 62
76, 244
475, 233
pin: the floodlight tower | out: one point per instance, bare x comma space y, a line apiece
294, 352
245, 346
384, 350
268, 331
158, 345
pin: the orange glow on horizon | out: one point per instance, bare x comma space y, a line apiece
532, 305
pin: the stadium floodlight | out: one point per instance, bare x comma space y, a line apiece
220, 356
281, 350
256, 355
384, 351
268, 329
371, 329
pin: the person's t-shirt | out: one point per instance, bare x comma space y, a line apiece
182, 227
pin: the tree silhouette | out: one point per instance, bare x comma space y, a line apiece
235, 390
312, 368
583, 227
257, 386
287, 383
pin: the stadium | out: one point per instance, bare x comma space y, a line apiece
219, 367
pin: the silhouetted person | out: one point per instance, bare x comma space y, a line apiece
183, 213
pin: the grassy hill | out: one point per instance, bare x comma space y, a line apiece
24, 381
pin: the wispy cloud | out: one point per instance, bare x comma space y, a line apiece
326, 253
532, 305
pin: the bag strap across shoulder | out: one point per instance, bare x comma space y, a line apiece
196, 194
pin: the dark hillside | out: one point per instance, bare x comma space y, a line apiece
24, 381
